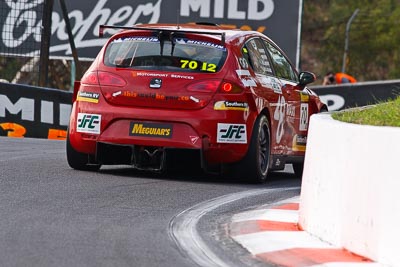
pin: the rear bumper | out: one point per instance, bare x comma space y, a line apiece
173, 129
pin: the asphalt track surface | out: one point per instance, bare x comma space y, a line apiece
52, 215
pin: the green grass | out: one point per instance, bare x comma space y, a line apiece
382, 114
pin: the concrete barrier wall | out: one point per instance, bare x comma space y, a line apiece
351, 186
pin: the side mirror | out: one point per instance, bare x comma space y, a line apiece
306, 77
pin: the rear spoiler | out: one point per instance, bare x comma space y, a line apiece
159, 32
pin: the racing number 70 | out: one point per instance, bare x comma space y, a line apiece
194, 65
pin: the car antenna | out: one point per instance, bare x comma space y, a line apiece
161, 39
171, 38
177, 19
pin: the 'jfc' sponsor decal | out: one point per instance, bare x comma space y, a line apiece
231, 133
88, 123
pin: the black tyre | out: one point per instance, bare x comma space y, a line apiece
79, 161
298, 169
254, 167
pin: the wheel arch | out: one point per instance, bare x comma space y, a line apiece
267, 113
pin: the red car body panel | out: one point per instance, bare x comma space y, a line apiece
186, 110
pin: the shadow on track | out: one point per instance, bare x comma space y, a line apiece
197, 176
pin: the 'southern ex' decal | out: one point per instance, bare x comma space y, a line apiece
88, 97
299, 142
231, 105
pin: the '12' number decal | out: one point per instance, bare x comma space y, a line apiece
194, 65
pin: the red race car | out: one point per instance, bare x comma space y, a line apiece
160, 97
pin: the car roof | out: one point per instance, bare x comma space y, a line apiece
229, 34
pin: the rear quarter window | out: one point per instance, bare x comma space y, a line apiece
257, 57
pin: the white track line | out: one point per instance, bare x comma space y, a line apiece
183, 227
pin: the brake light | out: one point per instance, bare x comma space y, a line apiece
230, 88
226, 87
204, 86
93, 79
103, 78
107, 78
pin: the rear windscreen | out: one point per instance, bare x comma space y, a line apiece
177, 54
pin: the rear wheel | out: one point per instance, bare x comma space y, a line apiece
254, 167
79, 161
298, 169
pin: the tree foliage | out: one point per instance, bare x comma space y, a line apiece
373, 38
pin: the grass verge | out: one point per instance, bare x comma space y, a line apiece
382, 114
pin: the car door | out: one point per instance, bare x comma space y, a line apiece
268, 93
294, 107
